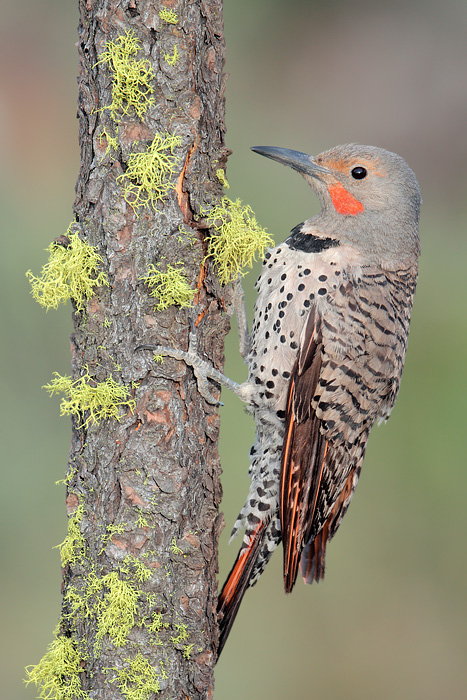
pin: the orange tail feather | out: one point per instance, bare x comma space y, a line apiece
236, 584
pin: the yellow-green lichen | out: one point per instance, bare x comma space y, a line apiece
220, 174
67, 480
56, 676
182, 635
141, 572
171, 287
70, 273
131, 83
142, 520
111, 141
112, 529
239, 238
187, 651
118, 609
147, 178
173, 57
100, 399
139, 680
168, 16
115, 612
187, 235
157, 625
72, 549
174, 548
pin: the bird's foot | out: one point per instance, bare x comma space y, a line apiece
202, 370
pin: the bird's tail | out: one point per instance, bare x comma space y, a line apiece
237, 582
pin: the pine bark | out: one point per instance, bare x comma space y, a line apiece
153, 476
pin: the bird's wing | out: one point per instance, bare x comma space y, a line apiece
328, 418
345, 377
304, 449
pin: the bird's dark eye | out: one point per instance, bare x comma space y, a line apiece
358, 173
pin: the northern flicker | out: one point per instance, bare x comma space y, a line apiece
327, 350
325, 357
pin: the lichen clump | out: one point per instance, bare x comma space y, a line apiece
172, 58
118, 609
239, 238
139, 680
115, 612
72, 549
168, 16
56, 676
147, 178
111, 141
72, 272
171, 287
131, 84
100, 399
220, 174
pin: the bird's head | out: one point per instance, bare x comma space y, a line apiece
370, 198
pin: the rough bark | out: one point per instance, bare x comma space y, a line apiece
153, 477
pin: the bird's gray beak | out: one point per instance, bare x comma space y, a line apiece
294, 159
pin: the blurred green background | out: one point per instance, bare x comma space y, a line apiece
389, 621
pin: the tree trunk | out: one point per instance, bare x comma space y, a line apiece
139, 583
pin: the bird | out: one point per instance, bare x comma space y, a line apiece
327, 350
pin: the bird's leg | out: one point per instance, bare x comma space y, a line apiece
202, 370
